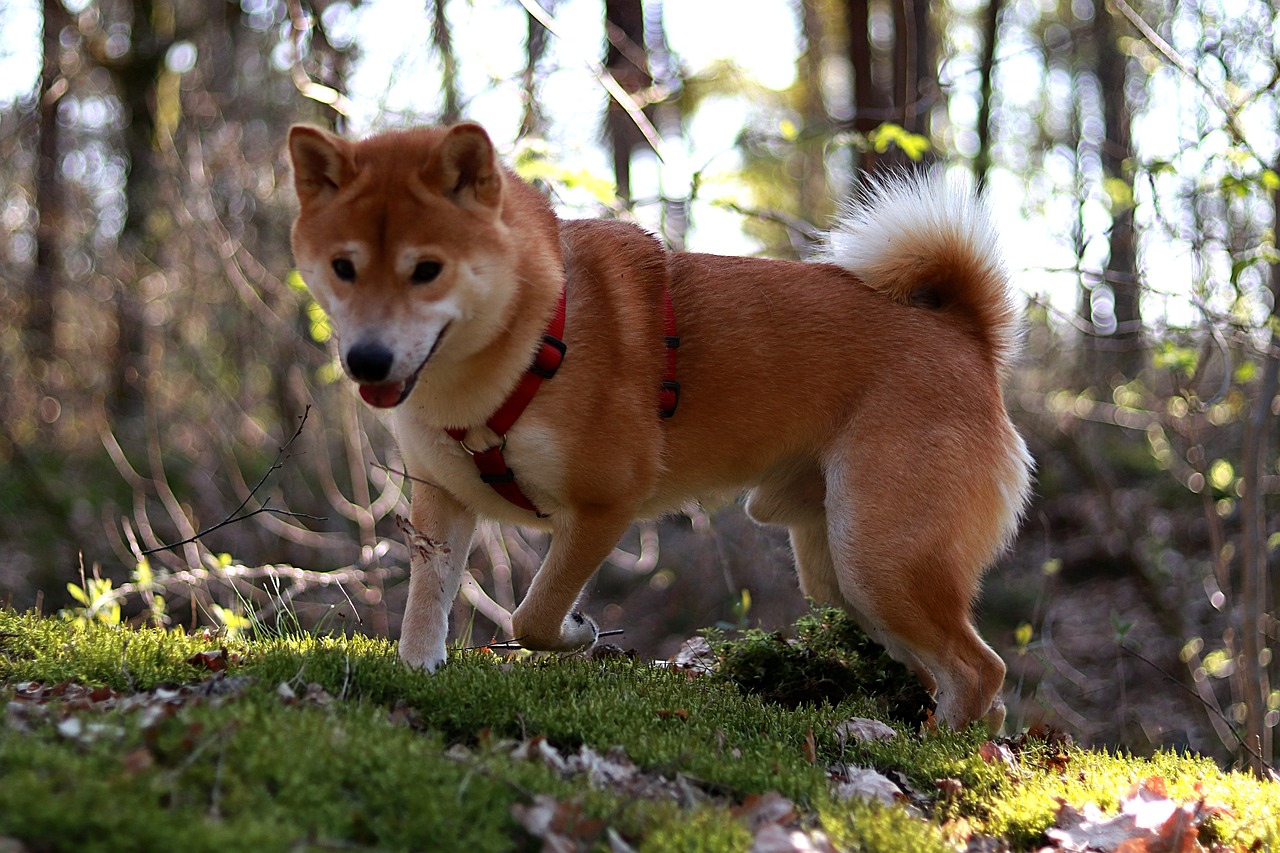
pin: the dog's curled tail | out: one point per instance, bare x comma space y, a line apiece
927, 240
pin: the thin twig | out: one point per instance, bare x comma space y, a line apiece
607, 80
1220, 100
514, 645
406, 475
1239, 738
235, 516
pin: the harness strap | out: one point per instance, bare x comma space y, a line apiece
669, 390
490, 463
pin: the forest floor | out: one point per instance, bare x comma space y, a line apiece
120, 738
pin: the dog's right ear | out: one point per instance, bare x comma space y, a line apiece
322, 162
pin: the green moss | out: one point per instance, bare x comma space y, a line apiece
875, 827
831, 659
705, 830
1024, 806
50, 651
257, 776
388, 757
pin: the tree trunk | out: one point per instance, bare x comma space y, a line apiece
867, 103
1255, 599
888, 88
1122, 351
627, 61
533, 122
991, 29
46, 277
135, 77
810, 154
443, 41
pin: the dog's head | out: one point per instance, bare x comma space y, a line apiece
401, 240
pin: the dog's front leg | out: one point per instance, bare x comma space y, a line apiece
439, 542
579, 543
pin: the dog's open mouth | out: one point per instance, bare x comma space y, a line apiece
388, 395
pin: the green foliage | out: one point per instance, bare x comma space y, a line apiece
53, 652
830, 660
100, 604
376, 755
260, 776
533, 163
889, 135
867, 826
1026, 804
704, 830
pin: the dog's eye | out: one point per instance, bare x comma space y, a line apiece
426, 271
344, 269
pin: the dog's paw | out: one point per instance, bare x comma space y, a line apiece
995, 716
579, 631
423, 658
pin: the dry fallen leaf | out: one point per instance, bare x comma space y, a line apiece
540, 819
137, 760
757, 810
1148, 822
863, 730
996, 753
773, 838
810, 747
864, 783
214, 660
695, 655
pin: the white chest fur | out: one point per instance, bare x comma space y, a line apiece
532, 452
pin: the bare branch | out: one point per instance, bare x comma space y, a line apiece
1220, 100
235, 514
607, 80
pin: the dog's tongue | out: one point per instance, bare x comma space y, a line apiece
383, 396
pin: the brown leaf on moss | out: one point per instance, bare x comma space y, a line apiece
214, 660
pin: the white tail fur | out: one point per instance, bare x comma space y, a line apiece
909, 232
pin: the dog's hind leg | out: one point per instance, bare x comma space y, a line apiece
820, 581
908, 546
793, 494
814, 566
579, 544
439, 542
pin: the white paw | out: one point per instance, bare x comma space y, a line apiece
420, 657
579, 631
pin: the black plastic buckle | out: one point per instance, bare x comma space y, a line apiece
498, 479
558, 349
672, 341
672, 387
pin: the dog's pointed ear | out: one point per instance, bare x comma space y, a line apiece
322, 162
464, 168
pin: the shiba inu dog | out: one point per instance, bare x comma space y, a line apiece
574, 376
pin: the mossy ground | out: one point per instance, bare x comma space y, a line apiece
307, 742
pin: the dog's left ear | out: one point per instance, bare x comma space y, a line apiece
465, 168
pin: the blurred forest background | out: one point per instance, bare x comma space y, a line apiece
158, 350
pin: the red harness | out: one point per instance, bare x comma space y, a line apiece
491, 464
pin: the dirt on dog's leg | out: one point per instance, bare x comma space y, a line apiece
439, 542
579, 545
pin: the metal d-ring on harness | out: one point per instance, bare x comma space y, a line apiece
490, 463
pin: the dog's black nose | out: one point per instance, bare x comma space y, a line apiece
369, 361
